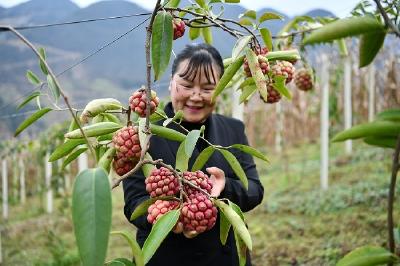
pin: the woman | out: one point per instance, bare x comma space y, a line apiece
195, 72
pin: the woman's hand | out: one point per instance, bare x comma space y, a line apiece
217, 177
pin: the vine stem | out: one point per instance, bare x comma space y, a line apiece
388, 22
71, 110
392, 189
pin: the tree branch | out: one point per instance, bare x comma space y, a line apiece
388, 22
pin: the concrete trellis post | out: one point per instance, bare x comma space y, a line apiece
347, 101
5, 188
279, 127
67, 180
371, 93
49, 191
324, 123
22, 192
15, 178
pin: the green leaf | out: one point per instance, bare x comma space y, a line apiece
241, 249
173, 3
106, 159
32, 96
344, 28
91, 215
227, 76
190, 142
249, 13
74, 155
247, 92
342, 47
257, 74
237, 168
41, 63
390, 115
240, 45
94, 130
279, 85
135, 248
236, 221
158, 233
30, 120
120, 262
167, 133
250, 150
148, 167
370, 44
182, 160
55, 90
367, 256
287, 55
247, 82
224, 227
33, 78
161, 45
141, 209
376, 128
207, 35
267, 38
65, 148
232, 1
268, 16
203, 158
201, 3
383, 142
111, 118
194, 33
245, 22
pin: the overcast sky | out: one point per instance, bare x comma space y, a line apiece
340, 8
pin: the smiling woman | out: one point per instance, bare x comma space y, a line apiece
195, 73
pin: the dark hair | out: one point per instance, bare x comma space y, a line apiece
199, 55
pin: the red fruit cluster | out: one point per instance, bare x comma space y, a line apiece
138, 100
273, 95
162, 182
283, 68
127, 145
159, 208
197, 178
198, 213
179, 28
303, 79
262, 61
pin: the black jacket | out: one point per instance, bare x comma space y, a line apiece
206, 248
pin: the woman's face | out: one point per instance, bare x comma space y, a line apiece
193, 94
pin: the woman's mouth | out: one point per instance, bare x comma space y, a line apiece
193, 108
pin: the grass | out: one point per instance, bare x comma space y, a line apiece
297, 223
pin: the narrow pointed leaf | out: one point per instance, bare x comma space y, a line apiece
237, 168
55, 90
383, 142
344, 28
241, 249
91, 215
280, 86
182, 160
111, 118
224, 227
377, 128
194, 33
249, 13
370, 44
207, 35
342, 47
148, 167
203, 158
236, 221
390, 115
120, 262
267, 38
246, 22
240, 45
190, 142
250, 150
173, 3
65, 148
227, 76
257, 74
167, 133
269, 16
75, 154
28, 99
30, 120
141, 209
367, 256
41, 64
287, 55
106, 159
247, 92
94, 130
158, 233
161, 45
135, 248
32, 78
